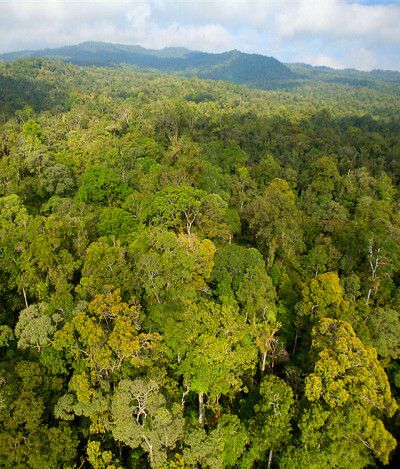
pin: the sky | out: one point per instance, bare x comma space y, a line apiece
362, 34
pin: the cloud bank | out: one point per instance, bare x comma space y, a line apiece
363, 34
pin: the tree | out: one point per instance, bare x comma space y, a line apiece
58, 180
105, 264
14, 220
240, 273
177, 207
270, 427
49, 257
102, 185
106, 336
232, 157
325, 176
239, 276
346, 397
274, 221
28, 435
213, 348
42, 253
322, 296
384, 331
36, 327
116, 222
170, 267
142, 416
33, 133
220, 447
100, 459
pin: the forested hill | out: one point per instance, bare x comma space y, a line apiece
347, 76
195, 274
252, 69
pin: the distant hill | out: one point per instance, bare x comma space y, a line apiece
238, 67
349, 76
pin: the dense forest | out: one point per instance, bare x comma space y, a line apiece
195, 274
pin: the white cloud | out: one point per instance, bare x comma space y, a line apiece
203, 38
336, 31
337, 19
361, 58
319, 60
229, 13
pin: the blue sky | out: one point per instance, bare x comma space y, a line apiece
363, 34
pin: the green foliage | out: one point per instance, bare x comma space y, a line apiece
99, 459
219, 448
214, 347
178, 258
28, 437
35, 328
106, 336
270, 428
105, 264
384, 327
346, 370
6, 335
58, 180
239, 273
142, 417
116, 222
32, 133
177, 207
322, 296
102, 185
274, 221
170, 266
350, 393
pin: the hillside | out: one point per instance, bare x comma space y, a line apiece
251, 69
351, 77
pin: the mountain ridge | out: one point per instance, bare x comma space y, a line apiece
255, 70
238, 67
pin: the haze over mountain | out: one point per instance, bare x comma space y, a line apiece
251, 69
